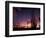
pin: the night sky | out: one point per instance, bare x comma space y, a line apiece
21, 14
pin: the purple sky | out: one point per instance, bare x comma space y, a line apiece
24, 14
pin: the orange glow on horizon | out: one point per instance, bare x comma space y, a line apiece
24, 24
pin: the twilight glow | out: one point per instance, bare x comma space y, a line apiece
22, 17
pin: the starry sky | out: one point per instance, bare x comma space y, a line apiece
24, 14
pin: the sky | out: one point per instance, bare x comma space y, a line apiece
22, 14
